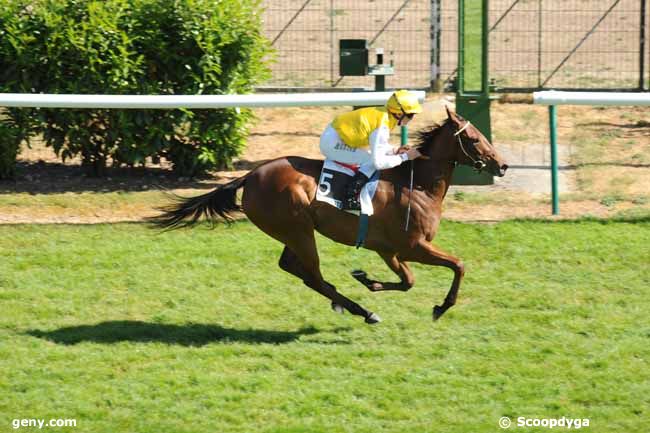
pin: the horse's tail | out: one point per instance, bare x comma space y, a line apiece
187, 211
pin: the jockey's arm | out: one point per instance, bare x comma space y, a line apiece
383, 153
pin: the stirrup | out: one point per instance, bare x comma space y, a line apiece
351, 203
353, 192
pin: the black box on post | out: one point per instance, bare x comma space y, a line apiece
353, 57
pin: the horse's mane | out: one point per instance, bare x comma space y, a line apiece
426, 137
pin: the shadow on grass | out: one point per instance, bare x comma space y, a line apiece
185, 335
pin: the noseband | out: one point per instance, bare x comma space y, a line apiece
477, 162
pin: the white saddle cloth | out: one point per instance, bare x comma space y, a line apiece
331, 186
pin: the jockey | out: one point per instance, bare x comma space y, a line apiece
360, 137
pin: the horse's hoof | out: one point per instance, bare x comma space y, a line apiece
372, 319
358, 273
437, 312
338, 308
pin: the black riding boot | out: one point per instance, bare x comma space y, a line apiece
353, 190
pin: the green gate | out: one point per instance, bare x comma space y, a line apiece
472, 84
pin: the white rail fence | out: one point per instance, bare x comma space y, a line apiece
195, 101
553, 98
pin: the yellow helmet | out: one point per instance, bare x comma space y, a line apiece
403, 102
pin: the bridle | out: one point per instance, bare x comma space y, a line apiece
477, 162
478, 165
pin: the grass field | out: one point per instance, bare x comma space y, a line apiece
126, 330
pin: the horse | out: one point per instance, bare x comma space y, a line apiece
279, 198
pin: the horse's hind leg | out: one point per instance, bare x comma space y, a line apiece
284, 217
396, 265
290, 263
300, 258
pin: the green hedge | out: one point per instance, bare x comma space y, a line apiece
131, 47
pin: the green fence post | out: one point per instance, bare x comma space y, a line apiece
554, 164
472, 80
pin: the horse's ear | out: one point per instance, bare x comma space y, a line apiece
453, 116
450, 114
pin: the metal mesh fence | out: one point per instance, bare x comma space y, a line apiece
579, 44
571, 44
306, 34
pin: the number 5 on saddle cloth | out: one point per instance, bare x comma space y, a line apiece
331, 189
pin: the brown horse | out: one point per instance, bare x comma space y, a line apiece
278, 197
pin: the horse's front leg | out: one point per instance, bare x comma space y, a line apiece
399, 267
424, 252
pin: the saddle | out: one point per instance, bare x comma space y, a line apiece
334, 188
338, 184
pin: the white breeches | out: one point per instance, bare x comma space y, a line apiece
334, 148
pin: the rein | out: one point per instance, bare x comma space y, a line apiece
477, 163
408, 210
